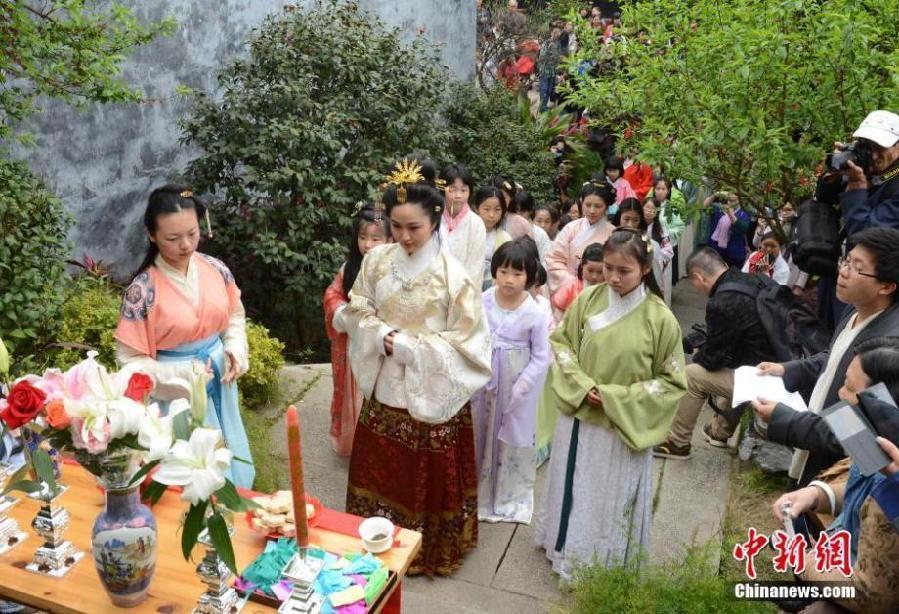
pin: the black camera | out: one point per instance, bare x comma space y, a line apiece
858, 152
695, 339
721, 198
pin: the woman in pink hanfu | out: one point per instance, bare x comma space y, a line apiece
369, 231
183, 306
592, 227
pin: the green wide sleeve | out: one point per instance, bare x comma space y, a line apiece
643, 411
569, 381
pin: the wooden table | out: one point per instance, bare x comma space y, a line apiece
176, 586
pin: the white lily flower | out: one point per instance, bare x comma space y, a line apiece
155, 431
95, 415
124, 417
198, 465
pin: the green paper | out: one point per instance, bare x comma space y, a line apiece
266, 569
375, 584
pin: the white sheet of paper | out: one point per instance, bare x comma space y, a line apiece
749, 386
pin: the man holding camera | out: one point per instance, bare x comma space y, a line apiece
871, 197
735, 337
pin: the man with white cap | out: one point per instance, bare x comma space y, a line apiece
871, 201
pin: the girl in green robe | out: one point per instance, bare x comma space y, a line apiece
617, 379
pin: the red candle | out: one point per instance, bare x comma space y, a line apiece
296, 476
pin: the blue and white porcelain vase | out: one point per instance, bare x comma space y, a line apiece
124, 536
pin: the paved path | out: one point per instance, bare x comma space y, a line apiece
506, 573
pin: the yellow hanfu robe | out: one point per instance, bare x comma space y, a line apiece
598, 505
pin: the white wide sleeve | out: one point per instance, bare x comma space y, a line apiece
476, 250
444, 369
235, 337
366, 330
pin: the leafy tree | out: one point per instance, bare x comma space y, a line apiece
305, 126
745, 95
33, 248
494, 133
66, 49
70, 50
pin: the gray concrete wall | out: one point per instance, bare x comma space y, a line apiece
104, 160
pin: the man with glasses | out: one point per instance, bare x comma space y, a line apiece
867, 282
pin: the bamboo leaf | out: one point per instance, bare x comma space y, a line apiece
227, 495
16, 477
143, 471
43, 466
28, 486
218, 533
153, 493
193, 524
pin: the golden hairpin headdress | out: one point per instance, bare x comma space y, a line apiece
648, 241
406, 171
187, 194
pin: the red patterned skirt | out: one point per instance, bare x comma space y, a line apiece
420, 476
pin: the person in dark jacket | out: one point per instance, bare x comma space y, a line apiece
868, 282
874, 201
735, 337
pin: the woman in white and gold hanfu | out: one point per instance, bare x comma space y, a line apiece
420, 348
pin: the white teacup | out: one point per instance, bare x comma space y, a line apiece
377, 534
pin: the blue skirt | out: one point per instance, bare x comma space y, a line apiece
223, 409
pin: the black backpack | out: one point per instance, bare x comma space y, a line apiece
792, 328
816, 242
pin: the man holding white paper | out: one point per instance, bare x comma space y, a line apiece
867, 281
735, 337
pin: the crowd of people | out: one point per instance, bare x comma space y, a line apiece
487, 333
468, 328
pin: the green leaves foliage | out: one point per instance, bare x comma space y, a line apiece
88, 320
221, 539
745, 95
259, 385
66, 49
494, 136
33, 247
304, 127
193, 525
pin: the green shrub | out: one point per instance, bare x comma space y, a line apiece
259, 385
302, 127
33, 248
88, 321
492, 137
685, 587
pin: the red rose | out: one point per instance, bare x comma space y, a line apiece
23, 404
139, 386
